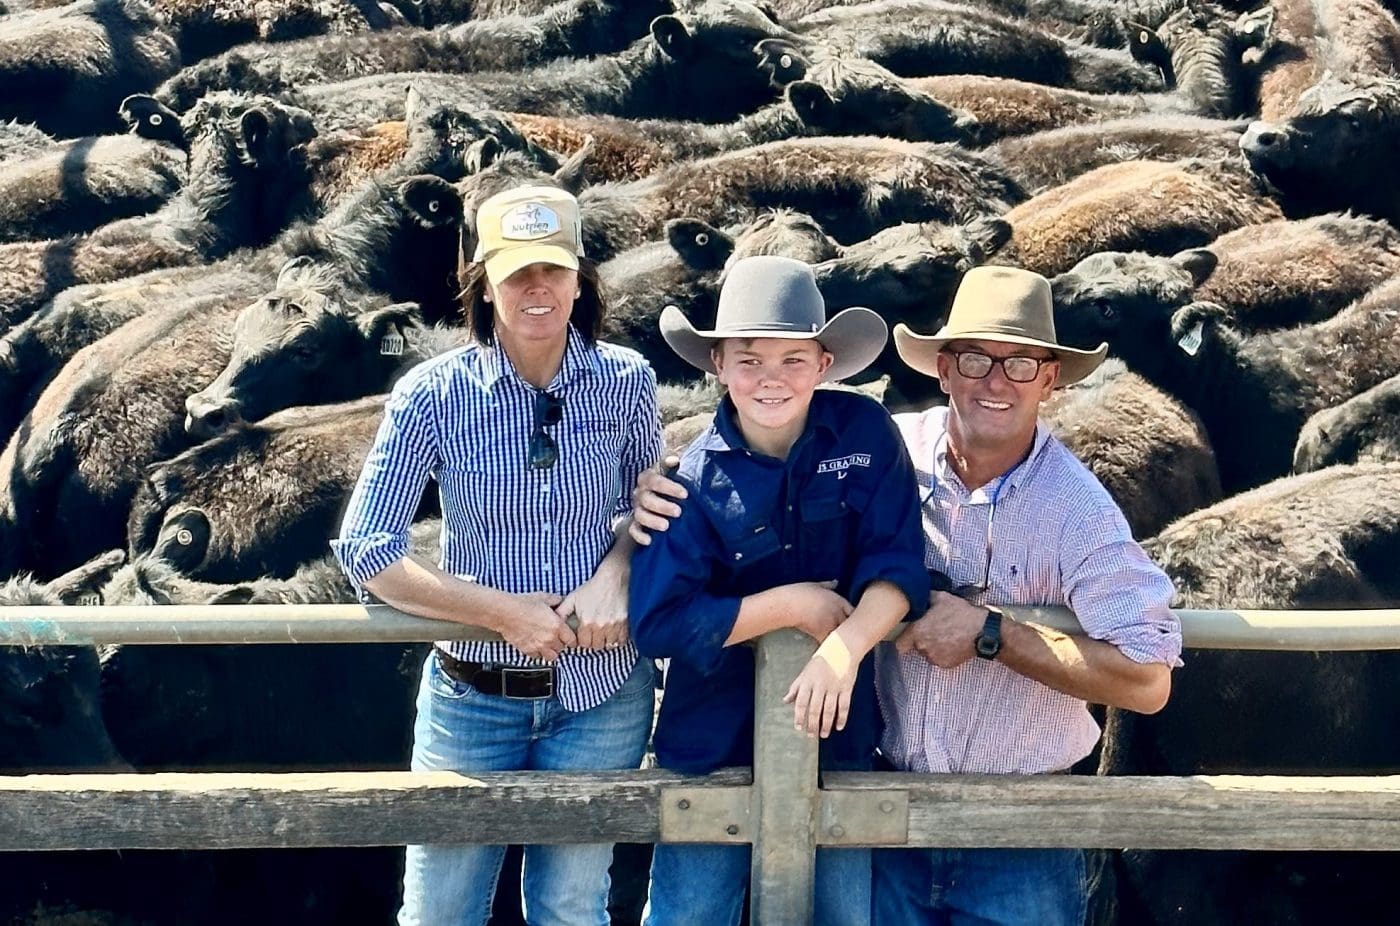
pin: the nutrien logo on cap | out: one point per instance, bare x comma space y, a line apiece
530, 221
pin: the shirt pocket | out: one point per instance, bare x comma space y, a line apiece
749, 545
824, 526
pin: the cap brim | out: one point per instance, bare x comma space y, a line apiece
920, 351
854, 338
508, 260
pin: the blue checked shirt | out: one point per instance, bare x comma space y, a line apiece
465, 419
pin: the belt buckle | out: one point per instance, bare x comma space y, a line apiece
509, 672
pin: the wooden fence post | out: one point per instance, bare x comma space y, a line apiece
784, 802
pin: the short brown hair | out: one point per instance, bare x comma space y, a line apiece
587, 316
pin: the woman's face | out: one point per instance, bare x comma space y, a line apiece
534, 303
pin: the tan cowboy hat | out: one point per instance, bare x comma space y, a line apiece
528, 225
1003, 304
777, 297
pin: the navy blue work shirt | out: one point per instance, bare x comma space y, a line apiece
844, 505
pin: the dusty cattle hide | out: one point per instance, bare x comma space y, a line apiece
853, 187
573, 29
655, 77
65, 70
85, 184
1137, 205
1333, 153
1253, 393
246, 181
1049, 159
1363, 429
1208, 55
1324, 540
1147, 449
19, 140
208, 27
1284, 273
1351, 39
685, 270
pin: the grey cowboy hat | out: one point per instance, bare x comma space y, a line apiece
777, 297
1003, 304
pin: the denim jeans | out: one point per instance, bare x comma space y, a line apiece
460, 729
980, 887
705, 886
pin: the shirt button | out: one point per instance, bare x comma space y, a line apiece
738, 556
547, 525
789, 507
546, 567
787, 546
545, 487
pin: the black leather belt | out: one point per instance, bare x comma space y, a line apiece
518, 682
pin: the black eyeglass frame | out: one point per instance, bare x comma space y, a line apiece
992, 363
543, 451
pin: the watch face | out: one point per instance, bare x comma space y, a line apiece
987, 647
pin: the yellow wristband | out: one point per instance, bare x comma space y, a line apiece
835, 653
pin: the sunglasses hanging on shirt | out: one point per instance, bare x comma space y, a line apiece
549, 411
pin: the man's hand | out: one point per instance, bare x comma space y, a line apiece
600, 604
945, 634
815, 608
821, 693
652, 509
535, 628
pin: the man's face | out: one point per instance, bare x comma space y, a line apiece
993, 414
771, 380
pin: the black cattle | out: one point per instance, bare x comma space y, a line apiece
65, 70
571, 29
664, 76
1252, 393
246, 177
1360, 430
1207, 54
852, 186
1332, 154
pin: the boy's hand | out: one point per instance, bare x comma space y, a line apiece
821, 693
652, 511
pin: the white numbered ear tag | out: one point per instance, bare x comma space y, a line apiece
90, 600
391, 345
1191, 340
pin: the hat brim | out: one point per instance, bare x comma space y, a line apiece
508, 260
854, 338
920, 351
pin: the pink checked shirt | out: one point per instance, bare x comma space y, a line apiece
1058, 538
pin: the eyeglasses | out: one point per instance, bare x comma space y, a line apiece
977, 365
549, 411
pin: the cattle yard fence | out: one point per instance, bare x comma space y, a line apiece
778, 806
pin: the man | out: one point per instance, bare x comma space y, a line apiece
1010, 517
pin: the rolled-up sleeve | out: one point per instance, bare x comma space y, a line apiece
374, 532
891, 535
669, 612
642, 446
1118, 594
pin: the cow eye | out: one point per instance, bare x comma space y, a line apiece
702, 239
157, 118
303, 353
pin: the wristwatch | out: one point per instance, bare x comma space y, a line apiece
988, 642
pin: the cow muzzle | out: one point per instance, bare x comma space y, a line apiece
206, 418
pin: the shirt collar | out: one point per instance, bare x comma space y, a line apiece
724, 434
1012, 478
580, 358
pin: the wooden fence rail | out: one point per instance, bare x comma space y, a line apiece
777, 806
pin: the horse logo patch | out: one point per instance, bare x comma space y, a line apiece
529, 221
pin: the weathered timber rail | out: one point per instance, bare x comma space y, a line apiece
777, 806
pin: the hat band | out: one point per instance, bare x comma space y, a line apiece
766, 326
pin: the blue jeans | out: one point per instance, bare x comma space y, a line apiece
705, 886
460, 729
980, 887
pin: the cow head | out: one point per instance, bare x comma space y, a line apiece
853, 96
712, 43
1128, 301
148, 117
451, 142
1205, 52
305, 343
1335, 151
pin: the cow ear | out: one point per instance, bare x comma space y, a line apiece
700, 245
413, 105
481, 154
671, 37
433, 201
84, 584
986, 236
254, 127
1255, 32
814, 106
290, 268
1199, 262
183, 541
1147, 46
150, 118
572, 175
1191, 321
388, 322
781, 59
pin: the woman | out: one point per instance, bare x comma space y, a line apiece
535, 434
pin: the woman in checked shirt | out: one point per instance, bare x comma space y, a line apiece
535, 435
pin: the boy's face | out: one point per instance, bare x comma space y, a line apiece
770, 380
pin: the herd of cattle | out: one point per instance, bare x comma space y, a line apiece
199, 318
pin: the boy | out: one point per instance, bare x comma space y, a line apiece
804, 502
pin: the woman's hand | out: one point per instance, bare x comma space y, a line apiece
651, 500
536, 628
600, 605
821, 693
